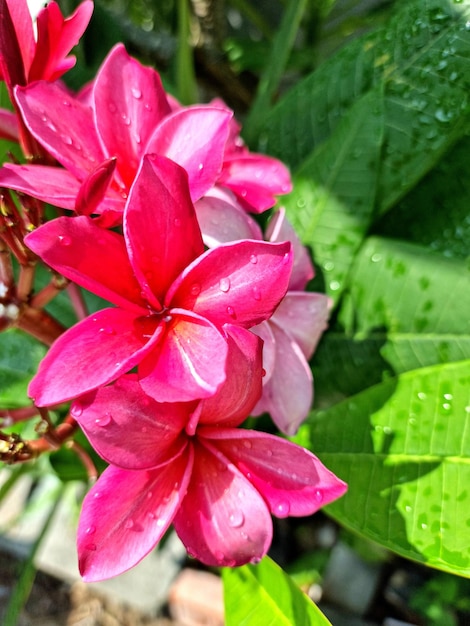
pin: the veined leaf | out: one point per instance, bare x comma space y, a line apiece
406, 288
421, 62
403, 447
264, 594
19, 357
334, 191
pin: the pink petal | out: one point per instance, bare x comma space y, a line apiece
304, 316
16, 41
237, 396
62, 124
50, 184
129, 103
279, 229
291, 479
194, 137
188, 364
160, 226
108, 415
56, 37
93, 257
222, 219
126, 514
256, 179
238, 283
8, 125
92, 353
264, 331
222, 521
94, 187
288, 393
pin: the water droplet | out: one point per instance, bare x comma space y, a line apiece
281, 509
67, 139
64, 240
107, 330
255, 560
76, 409
125, 119
66, 103
220, 556
105, 420
151, 515
177, 222
136, 92
167, 318
128, 524
448, 396
111, 107
224, 284
231, 312
263, 372
91, 547
318, 496
422, 395
161, 522
195, 289
256, 293
335, 285
97, 495
200, 166
247, 444
253, 259
90, 530
236, 519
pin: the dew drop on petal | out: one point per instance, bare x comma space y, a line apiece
128, 524
67, 140
253, 259
236, 519
220, 556
161, 522
256, 293
231, 312
200, 166
90, 530
64, 240
195, 289
224, 284
107, 330
76, 409
112, 107
136, 92
255, 560
318, 496
281, 509
151, 515
66, 103
105, 420
247, 444
97, 495
263, 372
177, 222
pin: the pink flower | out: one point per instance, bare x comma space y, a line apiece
25, 58
124, 116
290, 338
189, 465
172, 299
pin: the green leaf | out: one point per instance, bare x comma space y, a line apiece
406, 288
264, 594
403, 447
420, 60
334, 191
19, 357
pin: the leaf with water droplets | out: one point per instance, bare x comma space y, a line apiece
264, 594
403, 446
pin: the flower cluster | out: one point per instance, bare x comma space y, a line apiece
209, 320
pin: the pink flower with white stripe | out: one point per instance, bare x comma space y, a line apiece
188, 464
172, 300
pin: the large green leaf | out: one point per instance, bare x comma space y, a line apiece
19, 357
264, 594
421, 62
334, 191
403, 446
407, 288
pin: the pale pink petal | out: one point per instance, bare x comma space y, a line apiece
188, 364
126, 514
264, 331
129, 103
93, 257
288, 394
62, 125
54, 185
160, 225
114, 413
237, 283
92, 353
256, 179
8, 125
304, 316
56, 37
237, 396
279, 229
222, 219
194, 137
291, 479
222, 521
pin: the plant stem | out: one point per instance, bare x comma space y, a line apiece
185, 74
